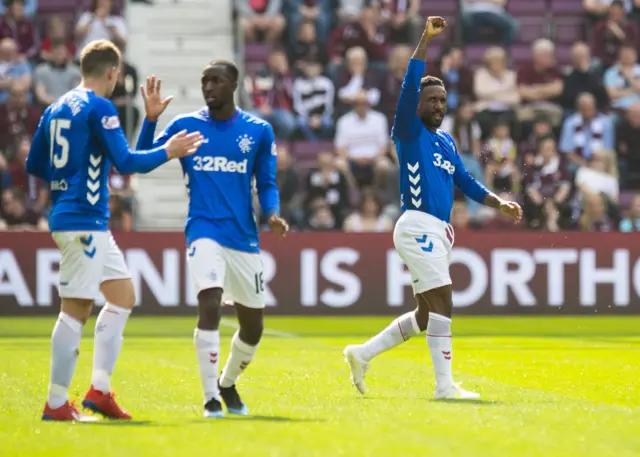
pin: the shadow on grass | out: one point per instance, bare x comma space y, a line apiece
258, 419
467, 402
122, 423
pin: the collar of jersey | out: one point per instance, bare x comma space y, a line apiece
204, 112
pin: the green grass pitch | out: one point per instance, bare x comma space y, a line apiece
551, 387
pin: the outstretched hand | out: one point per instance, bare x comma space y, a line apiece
154, 105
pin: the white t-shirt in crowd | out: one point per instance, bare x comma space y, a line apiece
99, 29
598, 182
363, 138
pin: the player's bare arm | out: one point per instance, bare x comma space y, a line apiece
511, 209
435, 26
154, 104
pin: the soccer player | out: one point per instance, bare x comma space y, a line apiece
429, 168
77, 140
221, 231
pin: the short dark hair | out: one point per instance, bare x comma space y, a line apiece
97, 57
429, 80
229, 67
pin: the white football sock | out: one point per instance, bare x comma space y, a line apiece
439, 342
207, 344
399, 331
239, 358
65, 344
107, 343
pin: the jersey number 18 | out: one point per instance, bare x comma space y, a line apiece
57, 138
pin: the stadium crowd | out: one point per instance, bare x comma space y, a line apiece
544, 104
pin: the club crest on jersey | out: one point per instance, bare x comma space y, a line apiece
245, 142
110, 122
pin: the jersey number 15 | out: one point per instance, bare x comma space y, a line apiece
57, 138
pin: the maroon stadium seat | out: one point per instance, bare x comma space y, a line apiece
567, 8
255, 52
57, 6
533, 8
444, 9
569, 29
531, 28
474, 55
305, 153
563, 54
520, 54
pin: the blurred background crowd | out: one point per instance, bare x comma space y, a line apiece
544, 104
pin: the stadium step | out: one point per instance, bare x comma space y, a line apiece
175, 51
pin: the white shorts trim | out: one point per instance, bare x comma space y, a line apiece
87, 259
424, 243
237, 273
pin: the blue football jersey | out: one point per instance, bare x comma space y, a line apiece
429, 161
78, 138
220, 175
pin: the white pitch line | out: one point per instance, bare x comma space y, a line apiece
266, 331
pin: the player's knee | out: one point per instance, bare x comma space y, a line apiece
251, 333
422, 318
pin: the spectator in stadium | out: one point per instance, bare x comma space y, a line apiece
631, 222
364, 32
14, 72
328, 183
124, 95
547, 179
622, 81
467, 134
458, 79
501, 172
387, 185
14, 25
612, 32
540, 84
598, 9
598, 176
585, 131
628, 146
35, 192
488, 14
17, 117
315, 12
30, 7
121, 219
321, 218
120, 185
495, 89
5, 178
399, 58
260, 19
528, 148
55, 77
56, 32
584, 75
402, 17
595, 215
368, 217
350, 9
306, 45
100, 24
362, 138
272, 93
15, 217
354, 78
313, 96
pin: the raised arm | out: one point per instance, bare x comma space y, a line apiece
406, 124
106, 126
